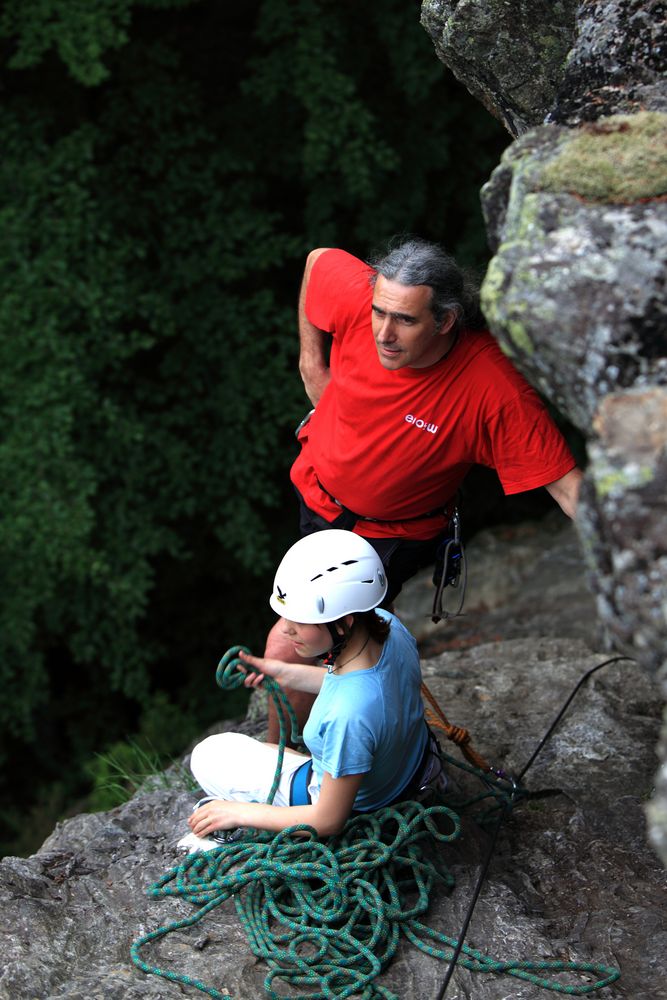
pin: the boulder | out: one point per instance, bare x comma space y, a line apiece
479, 41
565, 61
616, 63
575, 291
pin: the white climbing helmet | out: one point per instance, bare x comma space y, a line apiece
327, 575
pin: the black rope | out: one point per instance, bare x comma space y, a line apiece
582, 681
505, 811
471, 908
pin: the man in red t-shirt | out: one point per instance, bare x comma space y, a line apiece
409, 393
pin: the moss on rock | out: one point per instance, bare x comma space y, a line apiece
618, 159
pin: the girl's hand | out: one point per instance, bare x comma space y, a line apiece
258, 667
216, 815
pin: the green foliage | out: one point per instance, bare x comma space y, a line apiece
81, 33
128, 767
134, 389
356, 109
148, 760
25, 827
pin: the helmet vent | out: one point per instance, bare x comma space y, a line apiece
332, 569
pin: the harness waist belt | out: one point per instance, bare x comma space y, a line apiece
298, 792
445, 509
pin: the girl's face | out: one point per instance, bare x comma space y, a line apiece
309, 640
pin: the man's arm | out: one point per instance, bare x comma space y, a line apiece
313, 359
565, 491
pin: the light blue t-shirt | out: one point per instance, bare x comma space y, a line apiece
371, 721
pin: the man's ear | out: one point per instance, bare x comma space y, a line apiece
447, 323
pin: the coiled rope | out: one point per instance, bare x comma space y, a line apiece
327, 916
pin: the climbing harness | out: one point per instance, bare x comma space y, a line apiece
451, 571
430, 782
326, 916
303, 423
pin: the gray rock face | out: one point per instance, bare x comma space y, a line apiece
627, 489
522, 580
577, 219
572, 875
617, 61
530, 61
71, 911
622, 526
481, 40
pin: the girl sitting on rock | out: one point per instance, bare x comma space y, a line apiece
366, 735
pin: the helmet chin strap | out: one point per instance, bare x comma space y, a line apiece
340, 633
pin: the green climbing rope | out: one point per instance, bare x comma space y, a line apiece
230, 675
326, 916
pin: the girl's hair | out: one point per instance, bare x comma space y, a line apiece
378, 628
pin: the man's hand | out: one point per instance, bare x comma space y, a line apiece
565, 491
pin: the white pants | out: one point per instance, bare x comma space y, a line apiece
237, 768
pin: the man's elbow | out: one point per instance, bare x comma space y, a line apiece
565, 491
314, 254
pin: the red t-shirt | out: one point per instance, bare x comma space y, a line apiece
396, 445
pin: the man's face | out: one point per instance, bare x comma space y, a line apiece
404, 329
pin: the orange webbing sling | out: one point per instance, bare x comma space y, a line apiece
438, 720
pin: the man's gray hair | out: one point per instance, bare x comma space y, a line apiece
418, 262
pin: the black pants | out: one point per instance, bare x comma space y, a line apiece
401, 557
